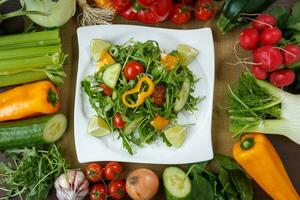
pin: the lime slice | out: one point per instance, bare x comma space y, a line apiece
99, 48
176, 135
98, 127
186, 54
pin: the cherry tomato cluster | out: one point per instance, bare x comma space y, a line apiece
112, 172
271, 59
184, 9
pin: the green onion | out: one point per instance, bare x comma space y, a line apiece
29, 52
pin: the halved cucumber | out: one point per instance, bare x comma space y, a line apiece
111, 75
131, 126
183, 96
29, 132
177, 184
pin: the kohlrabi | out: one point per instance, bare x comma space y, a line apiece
257, 106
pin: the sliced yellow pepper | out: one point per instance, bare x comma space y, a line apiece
106, 60
159, 122
169, 60
142, 96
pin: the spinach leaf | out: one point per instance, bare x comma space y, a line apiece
202, 189
282, 16
227, 162
197, 168
225, 180
242, 184
294, 19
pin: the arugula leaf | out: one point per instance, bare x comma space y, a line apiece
294, 19
281, 14
201, 189
242, 184
227, 162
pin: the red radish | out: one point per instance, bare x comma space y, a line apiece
249, 38
282, 77
267, 58
271, 36
291, 54
261, 22
259, 73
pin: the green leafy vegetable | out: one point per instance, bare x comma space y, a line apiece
242, 184
148, 54
294, 19
202, 189
257, 106
32, 172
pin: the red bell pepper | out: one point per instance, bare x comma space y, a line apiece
147, 11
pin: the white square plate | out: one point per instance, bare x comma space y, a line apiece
197, 146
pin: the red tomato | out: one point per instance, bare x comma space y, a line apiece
132, 69
116, 189
107, 91
120, 4
98, 192
180, 14
118, 121
112, 170
204, 10
94, 172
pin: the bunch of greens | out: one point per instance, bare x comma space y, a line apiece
230, 182
148, 54
258, 106
288, 20
31, 173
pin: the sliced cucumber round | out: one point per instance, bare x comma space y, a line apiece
55, 128
131, 126
111, 75
177, 184
183, 96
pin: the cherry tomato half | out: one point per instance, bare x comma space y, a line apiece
118, 121
94, 172
98, 192
132, 69
180, 14
204, 10
107, 91
116, 189
112, 170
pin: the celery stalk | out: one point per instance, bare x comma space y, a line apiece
14, 66
29, 52
23, 77
30, 39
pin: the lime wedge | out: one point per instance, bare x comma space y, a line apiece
176, 135
186, 54
99, 48
98, 127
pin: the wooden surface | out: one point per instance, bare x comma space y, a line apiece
221, 137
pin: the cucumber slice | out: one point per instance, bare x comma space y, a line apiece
114, 95
131, 126
30, 132
177, 184
111, 75
183, 96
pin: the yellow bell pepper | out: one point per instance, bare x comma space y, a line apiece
28, 100
142, 96
106, 60
257, 156
169, 60
159, 122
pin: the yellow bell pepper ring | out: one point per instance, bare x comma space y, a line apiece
142, 96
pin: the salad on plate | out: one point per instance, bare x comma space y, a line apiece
138, 91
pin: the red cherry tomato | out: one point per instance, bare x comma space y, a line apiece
112, 170
107, 91
120, 4
98, 192
132, 69
94, 172
180, 14
118, 121
204, 10
116, 189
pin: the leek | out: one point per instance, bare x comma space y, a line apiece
258, 106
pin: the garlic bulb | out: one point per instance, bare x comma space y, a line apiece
71, 186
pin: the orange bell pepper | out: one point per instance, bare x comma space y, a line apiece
169, 60
257, 156
159, 122
28, 100
106, 60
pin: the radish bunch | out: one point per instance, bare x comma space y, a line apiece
269, 61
